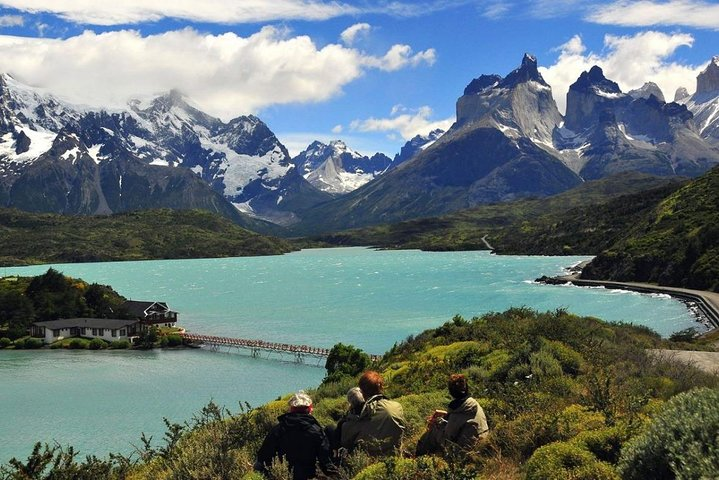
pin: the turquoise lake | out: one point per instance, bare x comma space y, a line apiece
102, 401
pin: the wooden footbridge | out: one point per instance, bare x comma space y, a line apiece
262, 349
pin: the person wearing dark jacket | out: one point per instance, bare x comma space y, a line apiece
298, 439
461, 425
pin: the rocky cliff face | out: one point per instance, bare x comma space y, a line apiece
704, 104
607, 132
520, 104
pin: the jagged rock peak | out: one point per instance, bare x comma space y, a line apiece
526, 72
708, 80
647, 90
595, 81
481, 83
681, 95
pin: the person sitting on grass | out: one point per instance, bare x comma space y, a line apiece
460, 426
381, 422
297, 439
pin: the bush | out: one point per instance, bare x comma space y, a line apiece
345, 360
397, 468
605, 443
174, 340
120, 345
77, 344
563, 460
5, 342
682, 441
32, 343
97, 344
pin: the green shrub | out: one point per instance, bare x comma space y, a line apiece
32, 343
5, 342
605, 443
575, 419
570, 360
97, 344
397, 468
345, 360
56, 346
77, 344
544, 365
565, 460
174, 340
120, 345
682, 441
164, 341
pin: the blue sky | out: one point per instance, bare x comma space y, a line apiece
373, 73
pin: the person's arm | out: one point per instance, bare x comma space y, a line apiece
267, 451
324, 455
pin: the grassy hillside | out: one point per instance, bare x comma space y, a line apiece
568, 223
677, 243
29, 238
565, 397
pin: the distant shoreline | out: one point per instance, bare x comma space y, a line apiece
704, 304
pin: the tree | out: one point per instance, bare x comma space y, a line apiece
345, 361
16, 313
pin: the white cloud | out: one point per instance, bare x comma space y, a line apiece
496, 10
406, 122
113, 12
11, 21
400, 56
350, 34
337, 129
123, 12
691, 13
628, 60
225, 74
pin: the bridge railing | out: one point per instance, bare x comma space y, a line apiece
262, 345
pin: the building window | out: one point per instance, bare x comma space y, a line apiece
94, 332
101, 331
114, 332
123, 332
56, 333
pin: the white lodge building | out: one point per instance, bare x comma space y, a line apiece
105, 328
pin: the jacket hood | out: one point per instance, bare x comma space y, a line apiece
463, 405
299, 421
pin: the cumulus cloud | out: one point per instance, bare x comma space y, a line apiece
628, 60
401, 56
407, 122
11, 21
691, 13
225, 74
350, 34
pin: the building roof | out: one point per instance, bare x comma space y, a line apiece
112, 323
139, 308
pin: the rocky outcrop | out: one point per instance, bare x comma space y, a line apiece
646, 91
708, 80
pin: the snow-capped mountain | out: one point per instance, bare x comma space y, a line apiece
414, 146
704, 104
607, 131
337, 169
241, 160
510, 141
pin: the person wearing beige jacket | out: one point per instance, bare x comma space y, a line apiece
461, 425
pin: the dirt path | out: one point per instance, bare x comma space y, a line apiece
707, 361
